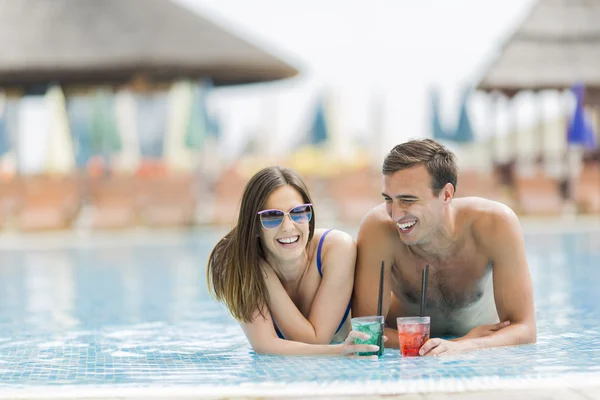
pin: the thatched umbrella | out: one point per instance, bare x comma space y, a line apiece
556, 46
143, 43
89, 42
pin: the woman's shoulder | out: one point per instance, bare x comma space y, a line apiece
335, 238
338, 249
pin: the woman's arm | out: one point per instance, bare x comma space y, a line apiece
331, 299
263, 339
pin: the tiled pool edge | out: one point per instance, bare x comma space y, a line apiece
431, 386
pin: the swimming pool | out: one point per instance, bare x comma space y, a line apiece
129, 314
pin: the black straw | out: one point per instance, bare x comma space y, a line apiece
380, 299
424, 277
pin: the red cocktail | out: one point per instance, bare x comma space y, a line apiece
413, 332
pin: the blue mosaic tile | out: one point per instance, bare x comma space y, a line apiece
140, 317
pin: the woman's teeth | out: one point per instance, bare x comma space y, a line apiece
288, 240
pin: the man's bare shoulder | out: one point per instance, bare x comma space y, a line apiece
488, 220
377, 235
376, 222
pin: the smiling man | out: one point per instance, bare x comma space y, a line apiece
479, 289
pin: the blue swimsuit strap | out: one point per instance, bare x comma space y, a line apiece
319, 267
319, 248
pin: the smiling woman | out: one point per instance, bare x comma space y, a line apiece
287, 283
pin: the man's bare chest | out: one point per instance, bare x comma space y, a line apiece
451, 285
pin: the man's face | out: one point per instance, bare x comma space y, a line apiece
411, 204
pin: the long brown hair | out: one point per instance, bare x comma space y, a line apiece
439, 161
234, 274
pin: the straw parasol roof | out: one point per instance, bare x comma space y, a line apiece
557, 45
73, 42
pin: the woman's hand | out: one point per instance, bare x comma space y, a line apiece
350, 349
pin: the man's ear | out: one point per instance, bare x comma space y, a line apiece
448, 191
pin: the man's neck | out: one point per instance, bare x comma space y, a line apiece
441, 243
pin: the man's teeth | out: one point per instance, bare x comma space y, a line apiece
407, 225
289, 240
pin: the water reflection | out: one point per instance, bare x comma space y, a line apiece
141, 313
49, 290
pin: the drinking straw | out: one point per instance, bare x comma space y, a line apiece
380, 299
424, 277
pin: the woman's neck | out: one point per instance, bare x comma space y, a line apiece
290, 272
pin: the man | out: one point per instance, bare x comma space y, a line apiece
479, 287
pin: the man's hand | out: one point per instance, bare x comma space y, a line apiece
436, 347
485, 330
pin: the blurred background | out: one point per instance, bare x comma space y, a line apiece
155, 113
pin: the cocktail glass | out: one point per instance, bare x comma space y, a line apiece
372, 326
413, 332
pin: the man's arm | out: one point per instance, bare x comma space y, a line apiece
374, 246
502, 238
513, 290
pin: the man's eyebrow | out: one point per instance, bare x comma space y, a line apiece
402, 196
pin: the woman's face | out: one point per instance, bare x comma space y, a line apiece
287, 241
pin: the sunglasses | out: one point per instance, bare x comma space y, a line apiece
271, 219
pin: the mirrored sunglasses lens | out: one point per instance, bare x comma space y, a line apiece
271, 219
301, 214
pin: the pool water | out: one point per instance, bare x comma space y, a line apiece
112, 315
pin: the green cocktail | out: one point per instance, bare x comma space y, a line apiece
372, 326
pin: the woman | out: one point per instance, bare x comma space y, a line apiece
287, 284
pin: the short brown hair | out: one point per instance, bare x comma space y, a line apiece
234, 274
439, 161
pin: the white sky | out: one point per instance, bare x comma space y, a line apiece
360, 50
